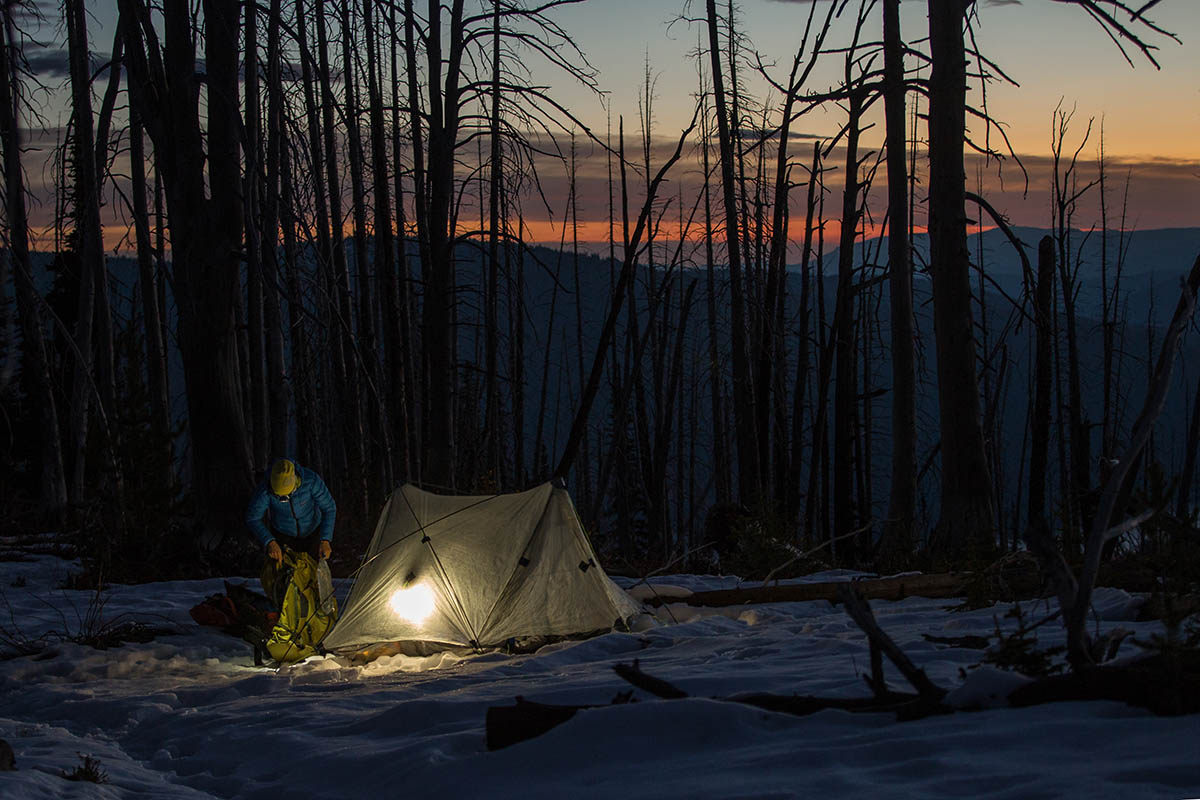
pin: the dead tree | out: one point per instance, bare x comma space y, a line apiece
149, 281
1115, 493
966, 522
280, 394
257, 388
903, 494
206, 230
52, 494
1066, 193
90, 247
846, 412
1040, 414
628, 265
749, 481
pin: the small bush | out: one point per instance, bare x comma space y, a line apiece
1018, 651
88, 771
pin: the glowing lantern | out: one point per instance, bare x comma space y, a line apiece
413, 603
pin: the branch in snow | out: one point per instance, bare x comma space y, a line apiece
860, 611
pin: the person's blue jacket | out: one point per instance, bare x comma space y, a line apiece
310, 507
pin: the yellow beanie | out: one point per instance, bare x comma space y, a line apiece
284, 479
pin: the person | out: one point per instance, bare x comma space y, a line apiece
299, 512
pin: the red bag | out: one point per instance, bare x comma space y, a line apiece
217, 610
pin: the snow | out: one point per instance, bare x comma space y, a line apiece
188, 715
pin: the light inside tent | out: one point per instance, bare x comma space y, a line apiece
413, 603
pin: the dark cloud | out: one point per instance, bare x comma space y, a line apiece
53, 63
49, 63
751, 134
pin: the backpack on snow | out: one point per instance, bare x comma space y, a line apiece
302, 589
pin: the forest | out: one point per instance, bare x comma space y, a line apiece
798, 352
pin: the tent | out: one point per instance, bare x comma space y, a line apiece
444, 572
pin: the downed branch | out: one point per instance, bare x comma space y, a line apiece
511, 724
1164, 684
798, 705
968, 642
950, 584
860, 612
648, 683
800, 554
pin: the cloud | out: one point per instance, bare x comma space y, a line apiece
753, 134
54, 63
49, 63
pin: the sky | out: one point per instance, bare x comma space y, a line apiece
187, 715
1150, 117
1053, 50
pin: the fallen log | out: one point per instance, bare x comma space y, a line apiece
507, 725
1163, 684
648, 683
949, 584
795, 704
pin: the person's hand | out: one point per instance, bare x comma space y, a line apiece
324, 549
275, 552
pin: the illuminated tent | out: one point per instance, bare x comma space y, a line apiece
479, 571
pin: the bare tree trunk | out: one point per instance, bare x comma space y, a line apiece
325, 252
716, 370
302, 373
348, 379
902, 497
260, 424
772, 362
374, 428
818, 473
802, 340
845, 517
663, 431
628, 266
397, 303
1065, 196
540, 459
1188, 475
966, 522
105, 356
1040, 423
437, 323
149, 278
90, 248
52, 497
516, 328
385, 262
205, 234
749, 482
583, 481
491, 422
280, 385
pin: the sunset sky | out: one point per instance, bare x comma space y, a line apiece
1151, 117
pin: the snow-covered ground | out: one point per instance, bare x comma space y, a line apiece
188, 715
